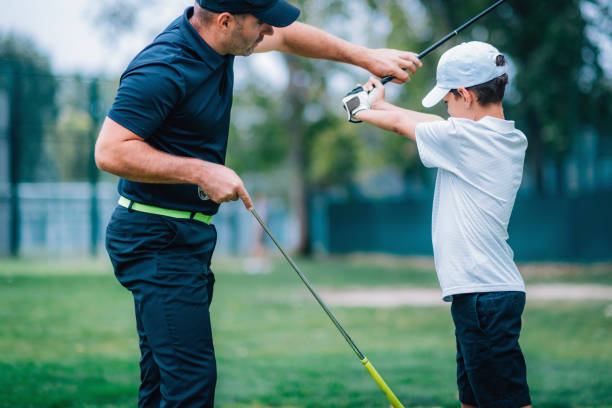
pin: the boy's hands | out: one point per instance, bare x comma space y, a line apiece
376, 91
373, 94
355, 103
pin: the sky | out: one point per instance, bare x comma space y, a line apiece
63, 30
68, 32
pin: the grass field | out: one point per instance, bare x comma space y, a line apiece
68, 339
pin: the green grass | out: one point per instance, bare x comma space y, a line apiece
68, 339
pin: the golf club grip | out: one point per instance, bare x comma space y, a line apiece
447, 37
382, 384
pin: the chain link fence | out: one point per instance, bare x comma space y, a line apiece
53, 199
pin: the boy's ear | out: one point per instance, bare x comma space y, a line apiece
467, 96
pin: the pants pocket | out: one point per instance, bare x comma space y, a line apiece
185, 265
132, 240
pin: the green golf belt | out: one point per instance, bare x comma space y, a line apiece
192, 215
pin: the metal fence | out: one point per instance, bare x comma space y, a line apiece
540, 229
54, 201
56, 219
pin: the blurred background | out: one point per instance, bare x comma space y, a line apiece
327, 189
313, 172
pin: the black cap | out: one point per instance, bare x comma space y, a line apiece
277, 13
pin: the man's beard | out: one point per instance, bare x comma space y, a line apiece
250, 50
239, 45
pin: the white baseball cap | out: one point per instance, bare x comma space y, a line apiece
467, 64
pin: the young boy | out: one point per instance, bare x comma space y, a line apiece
479, 156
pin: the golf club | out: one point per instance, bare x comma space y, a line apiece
448, 36
366, 363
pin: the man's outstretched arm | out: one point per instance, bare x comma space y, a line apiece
308, 41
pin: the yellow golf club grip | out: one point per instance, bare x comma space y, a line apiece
382, 384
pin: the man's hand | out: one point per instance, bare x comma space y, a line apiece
384, 61
222, 184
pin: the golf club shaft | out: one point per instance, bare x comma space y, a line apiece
310, 288
366, 363
429, 49
448, 36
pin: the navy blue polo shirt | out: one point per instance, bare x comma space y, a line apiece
177, 95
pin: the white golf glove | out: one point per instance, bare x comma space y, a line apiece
356, 103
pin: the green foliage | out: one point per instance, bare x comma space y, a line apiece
118, 17
25, 75
72, 144
293, 127
334, 153
258, 139
71, 139
559, 89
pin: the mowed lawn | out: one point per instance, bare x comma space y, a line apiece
68, 339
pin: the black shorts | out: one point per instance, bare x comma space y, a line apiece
491, 368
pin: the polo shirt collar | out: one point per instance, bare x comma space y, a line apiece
201, 47
500, 125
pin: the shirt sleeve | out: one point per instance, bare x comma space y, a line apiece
438, 144
146, 95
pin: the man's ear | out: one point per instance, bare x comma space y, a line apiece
224, 21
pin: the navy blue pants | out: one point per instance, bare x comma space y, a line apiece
491, 370
165, 263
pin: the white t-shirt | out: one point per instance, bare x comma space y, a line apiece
480, 166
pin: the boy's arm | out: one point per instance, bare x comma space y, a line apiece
395, 119
308, 41
388, 116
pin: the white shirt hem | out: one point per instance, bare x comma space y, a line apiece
447, 294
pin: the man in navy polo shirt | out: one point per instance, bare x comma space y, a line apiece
166, 137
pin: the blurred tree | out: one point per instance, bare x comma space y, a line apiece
72, 139
560, 83
257, 141
25, 74
269, 131
117, 17
559, 88
72, 144
400, 25
281, 128
314, 158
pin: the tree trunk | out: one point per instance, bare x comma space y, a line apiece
298, 156
15, 136
535, 145
560, 173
